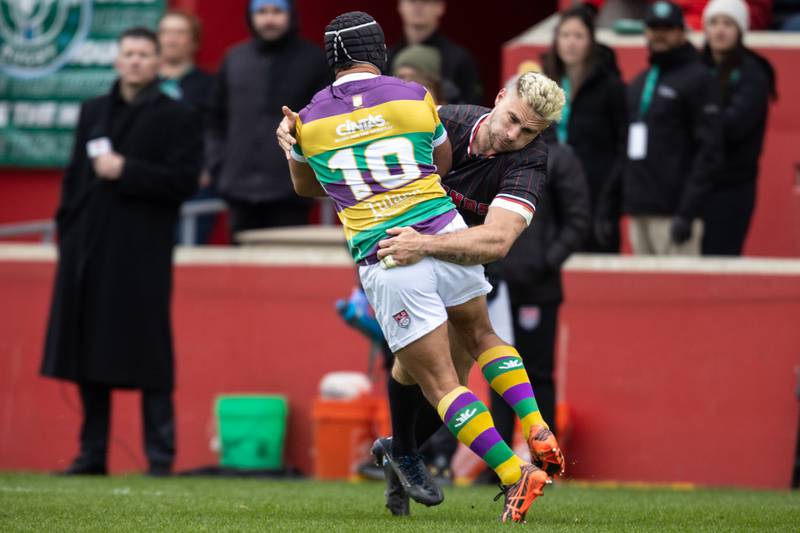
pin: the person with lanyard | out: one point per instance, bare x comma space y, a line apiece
674, 140
594, 119
179, 38
746, 82
181, 79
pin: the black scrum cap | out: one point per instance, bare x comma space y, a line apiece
353, 38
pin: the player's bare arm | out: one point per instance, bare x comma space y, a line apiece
474, 246
443, 157
303, 178
304, 181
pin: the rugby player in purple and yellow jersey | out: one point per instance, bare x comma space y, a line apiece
373, 144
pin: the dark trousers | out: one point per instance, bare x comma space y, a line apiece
726, 218
535, 341
244, 215
158, 418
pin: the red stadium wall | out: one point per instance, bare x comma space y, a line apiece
682, 377
237, 330
672, 374
775, 229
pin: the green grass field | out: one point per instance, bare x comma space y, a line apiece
132, 503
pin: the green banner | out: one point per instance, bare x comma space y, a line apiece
54, 54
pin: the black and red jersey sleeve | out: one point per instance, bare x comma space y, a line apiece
523, 179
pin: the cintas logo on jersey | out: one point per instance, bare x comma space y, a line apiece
37, 37
365, 126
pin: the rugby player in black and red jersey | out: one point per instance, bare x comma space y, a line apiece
497, 178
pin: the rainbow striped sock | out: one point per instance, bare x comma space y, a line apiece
469, 420
503, 369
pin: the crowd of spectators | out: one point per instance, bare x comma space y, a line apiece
661, 152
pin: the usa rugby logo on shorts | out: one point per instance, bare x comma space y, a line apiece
402, 318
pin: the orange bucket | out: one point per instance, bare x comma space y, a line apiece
343, 434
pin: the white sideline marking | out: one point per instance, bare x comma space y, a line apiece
117, 491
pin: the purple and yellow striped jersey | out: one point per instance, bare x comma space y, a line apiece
370, 140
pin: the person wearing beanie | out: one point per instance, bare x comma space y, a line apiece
274, 67
759, 13
674, 140
421, 64
745, 81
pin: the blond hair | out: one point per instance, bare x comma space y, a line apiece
542, 94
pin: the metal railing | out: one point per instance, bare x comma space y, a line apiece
187, 227
45, 228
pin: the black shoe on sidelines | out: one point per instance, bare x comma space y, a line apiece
411, 472
396, 496
159, 471
84, 467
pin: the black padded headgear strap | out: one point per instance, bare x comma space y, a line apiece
355, 37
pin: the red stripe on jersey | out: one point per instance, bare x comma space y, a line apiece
474, 132
519, 201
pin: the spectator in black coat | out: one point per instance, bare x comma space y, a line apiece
532, 270
461, 82
746, 82
136, 157
179, 38
274, 68
594, 120
674, 140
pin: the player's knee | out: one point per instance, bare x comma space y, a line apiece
478, 338
401, 375
435, 380
436, 389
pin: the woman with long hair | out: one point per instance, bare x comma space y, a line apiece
594, 121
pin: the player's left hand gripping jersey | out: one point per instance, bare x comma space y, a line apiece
370, 140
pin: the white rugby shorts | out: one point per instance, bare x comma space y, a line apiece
411, 301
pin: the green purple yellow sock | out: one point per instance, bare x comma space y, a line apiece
504, 371
469, 420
